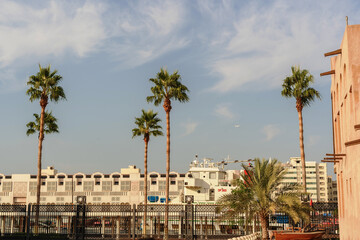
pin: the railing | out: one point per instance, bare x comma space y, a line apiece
86, 221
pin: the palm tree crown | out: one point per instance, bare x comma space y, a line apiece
298, 86
260, 191
167, 87
147, 125
45, 84
50, 124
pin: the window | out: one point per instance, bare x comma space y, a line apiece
196, 175
88, 186
96, 199
51, 187
153, 182
68, 186
322, 189
61, 183
221, 175
97, 181
116, 181
106, 186
32, 186
321, 172
322, 183
162, 185
321, 167
125, 186
7, 186
322, 194
115, 199
42, 199
43, 183
172, 182
60, 199
79, 183
180, 185
142, 185
212, 175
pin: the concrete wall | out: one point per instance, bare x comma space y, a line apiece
346, 119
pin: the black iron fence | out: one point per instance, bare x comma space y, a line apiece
126, 221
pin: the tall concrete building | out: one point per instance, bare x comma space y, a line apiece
316, 177
345, 96
332, 190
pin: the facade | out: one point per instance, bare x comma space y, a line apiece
316, 177
125, 186
204, 183
332, 190
345, 87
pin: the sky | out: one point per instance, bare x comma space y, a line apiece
232, 55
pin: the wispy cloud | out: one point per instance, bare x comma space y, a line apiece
31, 32
189, 128
313, 140
143, 31
223, 110
256, 47
270, 131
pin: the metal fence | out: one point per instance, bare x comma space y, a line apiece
87, 221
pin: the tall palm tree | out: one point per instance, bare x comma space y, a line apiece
50, 124
298, 86
166, 88
147, 125
260, 191
44, 85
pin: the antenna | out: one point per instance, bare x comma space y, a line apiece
347, 20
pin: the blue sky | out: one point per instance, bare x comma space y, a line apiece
232, 55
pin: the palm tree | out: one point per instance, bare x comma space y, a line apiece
147, 125
298, 86
167, 87
50, 124
260, 191
44, 85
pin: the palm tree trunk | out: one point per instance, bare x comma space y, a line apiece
145, 186
38, 189
166, 227
302, 152
264, 219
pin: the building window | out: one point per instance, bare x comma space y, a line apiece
51, 187
221, 175
321, 167
116, 181
60, 199
142, 185
173, 182
162, 185
106, 186
88, 186
180, 184
115, 199
42, 199
97, 181
32, 186
7, 186
153, 182
68, 186
125, 186
96, 199
212, 175
196, 175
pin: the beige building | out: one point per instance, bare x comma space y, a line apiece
316, 177
125, 186
345, 96
332, 190
204, 183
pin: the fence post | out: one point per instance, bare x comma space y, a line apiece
28, 217
133, 220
